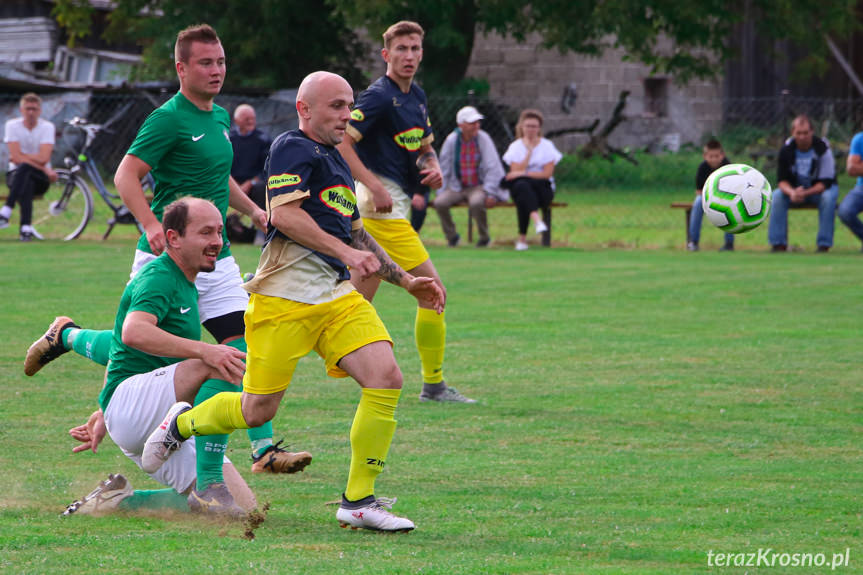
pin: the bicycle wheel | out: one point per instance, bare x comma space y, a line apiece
65, 209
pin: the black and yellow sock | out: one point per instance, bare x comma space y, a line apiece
430, 335
371, 434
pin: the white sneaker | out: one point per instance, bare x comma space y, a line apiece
371, 513
4, 222
104, 499
520, 246
540, 227
164, 441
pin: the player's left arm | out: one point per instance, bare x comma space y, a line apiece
423, 289
429, 167
244, 204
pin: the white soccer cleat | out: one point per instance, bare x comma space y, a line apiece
164, 440
372, 513
104, 499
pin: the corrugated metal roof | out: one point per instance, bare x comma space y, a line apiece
27, 39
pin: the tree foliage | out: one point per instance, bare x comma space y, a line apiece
684, 38
274, 43
268, 43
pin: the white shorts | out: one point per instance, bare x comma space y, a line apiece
220, 291
138, 405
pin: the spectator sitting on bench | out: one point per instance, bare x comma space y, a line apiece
852, 203
531, 159
471, 172
30, 140
806, 174
714, 157
251, 147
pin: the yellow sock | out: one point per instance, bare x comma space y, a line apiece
430, 334
371, 435
222, 413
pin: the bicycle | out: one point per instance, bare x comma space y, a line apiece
67, 207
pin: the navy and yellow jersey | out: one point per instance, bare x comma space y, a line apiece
390, 127
300, 169
190, 154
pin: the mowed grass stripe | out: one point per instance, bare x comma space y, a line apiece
639, 408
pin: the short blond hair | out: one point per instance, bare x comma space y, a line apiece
30, 98
403, 28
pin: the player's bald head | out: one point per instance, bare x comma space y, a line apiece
324, 102
318, 84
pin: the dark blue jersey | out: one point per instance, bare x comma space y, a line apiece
390, 127
299, 167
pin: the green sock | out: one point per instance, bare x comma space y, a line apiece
154, 499
210, 449
90, 343
260, 437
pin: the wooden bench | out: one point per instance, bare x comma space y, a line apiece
688, 207
546, 217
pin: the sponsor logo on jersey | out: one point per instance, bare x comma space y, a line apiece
358, 115
411, 140
283, 180
340, 198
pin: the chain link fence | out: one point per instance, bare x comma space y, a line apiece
598, 190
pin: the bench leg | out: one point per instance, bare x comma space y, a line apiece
546, 235
687, 214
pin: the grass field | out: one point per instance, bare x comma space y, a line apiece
640, 408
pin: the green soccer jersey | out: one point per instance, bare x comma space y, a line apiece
190, 154
159, 288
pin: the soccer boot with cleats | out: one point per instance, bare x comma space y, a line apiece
372, 513
277, 460
104, 499
164, 440
215, 500
445, 394
48, 347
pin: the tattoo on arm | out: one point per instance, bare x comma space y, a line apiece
424, 159
389, 270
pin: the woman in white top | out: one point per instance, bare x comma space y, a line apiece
531, 160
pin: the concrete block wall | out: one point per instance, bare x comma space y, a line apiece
526, 75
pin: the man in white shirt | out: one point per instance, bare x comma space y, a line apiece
30, 140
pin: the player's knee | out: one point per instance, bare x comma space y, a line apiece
257, 413
391, 377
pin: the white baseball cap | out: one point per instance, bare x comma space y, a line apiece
468, 115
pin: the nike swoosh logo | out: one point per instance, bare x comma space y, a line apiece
195, 139
184, 309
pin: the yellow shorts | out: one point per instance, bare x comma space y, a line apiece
279, 332
399, 240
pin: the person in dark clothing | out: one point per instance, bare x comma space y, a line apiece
251, 147
806, 175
